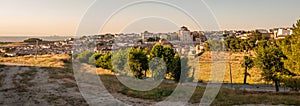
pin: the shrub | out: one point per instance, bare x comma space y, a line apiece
94, 57
103, 60
84, 57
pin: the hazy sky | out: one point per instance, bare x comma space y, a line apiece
62, 17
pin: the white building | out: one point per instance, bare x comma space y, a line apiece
185, 36
281, 33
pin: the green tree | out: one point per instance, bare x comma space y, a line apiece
119, 61
256, 35
268, 59
251, 43
243, 45
171, 60
157, 51
158, 68
168, 57
84, 56
157, 54
104, 61
138, 62
207, 46
140, 41
185, 68
154, 39
94, 57
233, 44
227, 42
176, 70
247, 64
237, 45
291, 49
165, 53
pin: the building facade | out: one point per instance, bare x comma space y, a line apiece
185, 36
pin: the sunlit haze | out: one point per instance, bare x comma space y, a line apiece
62, 17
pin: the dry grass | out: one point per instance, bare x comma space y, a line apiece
101, 71
56, 61
226, 97
14, 44
237, 69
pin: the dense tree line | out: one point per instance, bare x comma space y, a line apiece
160, 62
235, 44
175, 66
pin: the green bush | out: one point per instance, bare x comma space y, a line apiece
94, 57
103, 60
84, 56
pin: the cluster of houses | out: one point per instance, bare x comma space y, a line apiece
183, 41
38, 48
272, 34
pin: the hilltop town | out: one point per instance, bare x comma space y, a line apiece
184, 41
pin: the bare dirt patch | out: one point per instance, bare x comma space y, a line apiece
32, 86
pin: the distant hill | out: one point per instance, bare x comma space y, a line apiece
30, 40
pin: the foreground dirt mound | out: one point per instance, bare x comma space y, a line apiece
35, 86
